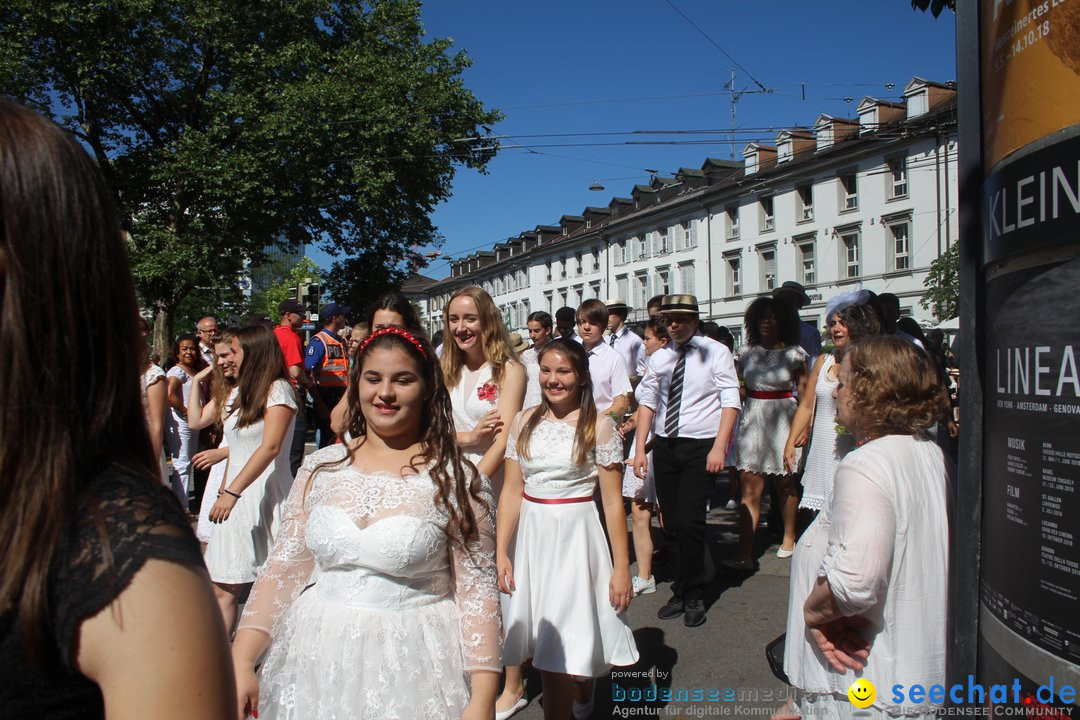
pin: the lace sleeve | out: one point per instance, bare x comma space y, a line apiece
609, 444
289, 566
511, 437
281, 393
477, 593
122, 521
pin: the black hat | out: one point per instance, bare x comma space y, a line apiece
290, 306
790, 287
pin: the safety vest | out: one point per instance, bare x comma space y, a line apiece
334, 371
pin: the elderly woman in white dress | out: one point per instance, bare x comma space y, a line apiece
869, 577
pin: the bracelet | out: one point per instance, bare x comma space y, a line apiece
230, 492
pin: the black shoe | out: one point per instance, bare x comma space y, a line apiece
695, 613
672, 610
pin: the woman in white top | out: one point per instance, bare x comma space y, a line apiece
182, 443
869, 579
155, 397
849, 319
258, 426
487, 388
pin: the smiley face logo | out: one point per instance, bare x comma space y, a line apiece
862, 693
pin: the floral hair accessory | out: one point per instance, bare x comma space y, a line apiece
487, 391
392, 330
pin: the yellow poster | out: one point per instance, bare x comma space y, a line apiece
1030, 72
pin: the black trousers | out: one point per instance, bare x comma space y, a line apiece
330, 398
682, 489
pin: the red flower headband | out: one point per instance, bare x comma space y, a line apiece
392, 330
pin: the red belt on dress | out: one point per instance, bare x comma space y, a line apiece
556, 501
769, 394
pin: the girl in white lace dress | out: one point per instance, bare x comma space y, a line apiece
258, 425
566, 594
849, 319
379, 598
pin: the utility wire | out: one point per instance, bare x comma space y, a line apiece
714, 44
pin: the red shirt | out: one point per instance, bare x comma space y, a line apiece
290, 347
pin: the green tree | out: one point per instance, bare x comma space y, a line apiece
935, 6
227, 128
359, 280
943, 285
265, 302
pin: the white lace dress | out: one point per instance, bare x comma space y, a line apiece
765, 422
238, 546
370, 611
560, 614
827, 448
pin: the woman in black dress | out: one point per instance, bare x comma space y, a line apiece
105, 606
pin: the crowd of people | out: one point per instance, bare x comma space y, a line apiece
407, 567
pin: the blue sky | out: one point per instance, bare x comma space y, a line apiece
576, 79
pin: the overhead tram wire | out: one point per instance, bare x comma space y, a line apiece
717, 46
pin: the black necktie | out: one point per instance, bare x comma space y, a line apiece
671, 419
614, 337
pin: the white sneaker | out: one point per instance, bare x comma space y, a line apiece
643, 587
731, 505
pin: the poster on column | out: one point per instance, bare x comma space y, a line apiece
1031, 490
1030, 72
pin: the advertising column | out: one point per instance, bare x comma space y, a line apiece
1029, 623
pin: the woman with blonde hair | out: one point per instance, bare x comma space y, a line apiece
485, 379
99, 570
869, 579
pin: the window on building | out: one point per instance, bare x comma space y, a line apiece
618, 250
849, 192
548, 269
768, 267
662, 247
622, 287
689, 234
641, 290
900, 241
596, 258
733, 222
549, 300
804, 198
563, 266
643, 247
804, 251
662, 285
897, 178
768, 219
734, 275
849, 241
686, 278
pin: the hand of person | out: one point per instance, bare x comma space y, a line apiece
714, 461
841, 644
628, 427
224, 505
486, 428
506, 574
803, 437
247, 692
208, 458
791, 460
203, 374
641, 465
620, 589
953, 428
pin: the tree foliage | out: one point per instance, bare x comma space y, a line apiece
265, 302
226, 128
358, 281
935, 6
943, 285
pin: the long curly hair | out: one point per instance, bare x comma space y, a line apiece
787, 318
861, 321
893, 385
457, 482
494, 338
585, 436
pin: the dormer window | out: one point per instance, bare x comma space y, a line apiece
918, 103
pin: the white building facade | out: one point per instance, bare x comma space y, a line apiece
852, 202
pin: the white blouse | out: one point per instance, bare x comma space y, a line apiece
883, 546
